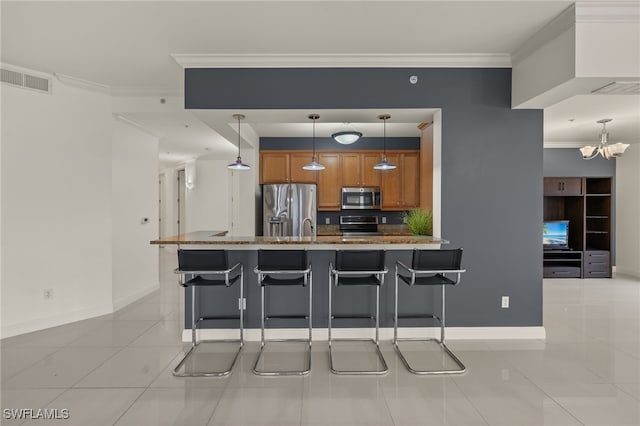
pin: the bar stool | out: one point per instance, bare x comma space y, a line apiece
358, 268
283, 268
429, 268
195, 264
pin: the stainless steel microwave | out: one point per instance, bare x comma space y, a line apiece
360, 198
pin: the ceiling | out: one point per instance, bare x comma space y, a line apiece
128, 47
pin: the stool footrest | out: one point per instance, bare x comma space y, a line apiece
219, 373
353, 316
384, 369
306, 370
460, 370
286, 317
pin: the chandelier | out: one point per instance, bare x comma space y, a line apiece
604, 149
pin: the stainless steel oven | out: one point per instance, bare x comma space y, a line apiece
360, 198
359, 225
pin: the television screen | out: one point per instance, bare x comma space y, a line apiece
555, 234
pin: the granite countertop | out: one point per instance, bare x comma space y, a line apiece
218, 238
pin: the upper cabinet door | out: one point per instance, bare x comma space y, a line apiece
351, 170
563, 186
370, 176
298, 174
274, 167
410, 180
329, 182
391, 189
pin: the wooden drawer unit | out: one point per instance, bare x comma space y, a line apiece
562, 264
597, 264
561, 272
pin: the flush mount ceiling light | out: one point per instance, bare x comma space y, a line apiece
313, 165
238, 165
384, 164
346, 137
604, 149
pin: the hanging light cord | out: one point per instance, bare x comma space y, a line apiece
238, 136
313, 158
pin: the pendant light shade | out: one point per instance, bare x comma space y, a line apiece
313, 165
347, 137
604, 149
238, 164
384, 164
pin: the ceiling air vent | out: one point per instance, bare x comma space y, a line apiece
619, 88
27, 81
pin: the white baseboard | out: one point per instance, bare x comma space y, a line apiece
321, 334
55, 320
121, 302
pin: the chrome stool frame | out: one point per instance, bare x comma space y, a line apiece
434, 276
307, 279
334, 279
198, 281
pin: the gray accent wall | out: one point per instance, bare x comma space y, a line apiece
491, 165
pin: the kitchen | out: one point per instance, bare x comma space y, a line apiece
277, 144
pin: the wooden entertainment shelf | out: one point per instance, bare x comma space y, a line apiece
586, 202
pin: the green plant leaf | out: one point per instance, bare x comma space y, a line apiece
419, 221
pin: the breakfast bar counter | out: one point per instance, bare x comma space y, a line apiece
217, 239
322, 252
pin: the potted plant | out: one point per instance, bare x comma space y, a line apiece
419, 221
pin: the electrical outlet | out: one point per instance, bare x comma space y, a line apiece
384, 219
47, 294
327, 221
505, 301
242, 304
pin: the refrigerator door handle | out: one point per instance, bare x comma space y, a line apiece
311, 227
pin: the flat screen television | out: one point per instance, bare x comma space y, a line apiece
555, 234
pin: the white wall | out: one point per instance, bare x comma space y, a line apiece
628, 212
134, 197
209, 201
56, 206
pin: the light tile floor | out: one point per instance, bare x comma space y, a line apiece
116, 369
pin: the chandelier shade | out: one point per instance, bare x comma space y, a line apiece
604, 149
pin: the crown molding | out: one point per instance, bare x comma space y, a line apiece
306, 60
136, 124
82, 84
608, 12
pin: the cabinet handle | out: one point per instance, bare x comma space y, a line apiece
559, 186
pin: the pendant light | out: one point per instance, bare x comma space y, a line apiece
604, 149
238, 165
313, 165
384, 164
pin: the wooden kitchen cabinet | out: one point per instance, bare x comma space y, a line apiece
329, 182
370, 176
350, 169
285, 167
297, 173
400, 186
275, 167
358, 171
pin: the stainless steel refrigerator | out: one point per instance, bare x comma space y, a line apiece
289, 210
